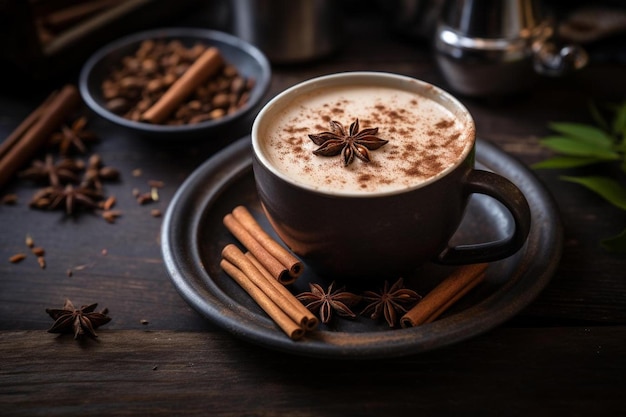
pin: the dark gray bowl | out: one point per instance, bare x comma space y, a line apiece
249, 61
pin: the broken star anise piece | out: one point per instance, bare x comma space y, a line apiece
324, 302
348, 144
73, 137
96, 172
390, 301
77, 320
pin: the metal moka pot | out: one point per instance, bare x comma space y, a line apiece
498, 47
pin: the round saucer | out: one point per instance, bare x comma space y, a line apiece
193, 236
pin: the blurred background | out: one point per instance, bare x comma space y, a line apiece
41, 40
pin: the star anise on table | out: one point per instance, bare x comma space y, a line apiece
96, 172
72, 197
54, 173
349, 144
73, 137
79, 321
390, 301
324, 303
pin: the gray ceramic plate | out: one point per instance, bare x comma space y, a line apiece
193, 237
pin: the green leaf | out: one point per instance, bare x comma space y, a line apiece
607, 188
573, 147
566, 162
596, 114
583, 132
619, 122
616, 243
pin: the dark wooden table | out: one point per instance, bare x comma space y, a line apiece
564, 354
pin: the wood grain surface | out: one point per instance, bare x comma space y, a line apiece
163, 373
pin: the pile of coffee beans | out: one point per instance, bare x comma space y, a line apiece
141, 79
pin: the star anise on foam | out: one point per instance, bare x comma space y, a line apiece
70, 196
324, 303
79, 321
55, 174
390, 301
73, 137
349, 144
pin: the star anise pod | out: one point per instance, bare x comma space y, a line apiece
73, 197
348, 144
55, 174
73, 137
324, 302
390, 301
79, 321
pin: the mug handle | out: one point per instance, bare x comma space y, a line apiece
503, 190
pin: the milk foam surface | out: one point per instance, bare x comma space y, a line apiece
424, 139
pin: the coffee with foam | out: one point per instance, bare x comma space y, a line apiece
382, 219
425, 139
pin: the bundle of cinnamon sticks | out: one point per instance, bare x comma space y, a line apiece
263, 271
30, 135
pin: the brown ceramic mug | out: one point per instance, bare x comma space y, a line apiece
381, 185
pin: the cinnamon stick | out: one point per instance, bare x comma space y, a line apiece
444, 295
293, 264
26, 124
276, 292
206, 65
311, 320
55, 112
278, 270
290, 327
69, 15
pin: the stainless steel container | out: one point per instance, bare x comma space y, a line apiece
497, 47
289, 31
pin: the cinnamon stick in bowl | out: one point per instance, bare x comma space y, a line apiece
202, 69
